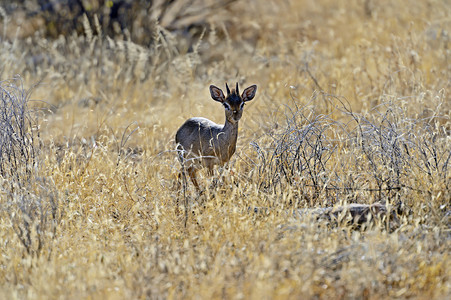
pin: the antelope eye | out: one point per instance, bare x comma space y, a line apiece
242, 105
226, 106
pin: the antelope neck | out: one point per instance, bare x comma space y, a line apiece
230, 127
230, 131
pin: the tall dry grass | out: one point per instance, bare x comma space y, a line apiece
352, 107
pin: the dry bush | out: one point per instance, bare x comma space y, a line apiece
29, 202
352, 107
19, 142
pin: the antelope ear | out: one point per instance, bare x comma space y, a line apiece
249, 93
216, 93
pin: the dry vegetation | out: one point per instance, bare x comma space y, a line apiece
352, 107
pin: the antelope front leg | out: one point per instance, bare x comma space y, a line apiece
192, 175
210, 171
214, 180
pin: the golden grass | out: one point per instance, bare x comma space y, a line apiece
121, 233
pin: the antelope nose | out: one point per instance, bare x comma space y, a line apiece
234, 111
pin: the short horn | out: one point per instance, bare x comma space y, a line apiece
228, 90
237, 91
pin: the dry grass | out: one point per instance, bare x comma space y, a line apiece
352, 107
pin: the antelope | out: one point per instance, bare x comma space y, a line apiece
203, 143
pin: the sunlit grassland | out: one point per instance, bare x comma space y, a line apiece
352, 107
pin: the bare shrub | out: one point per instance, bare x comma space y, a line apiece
384, 137
398, 149
383, 152
19, 134
299, 153
30, 201
34, 212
